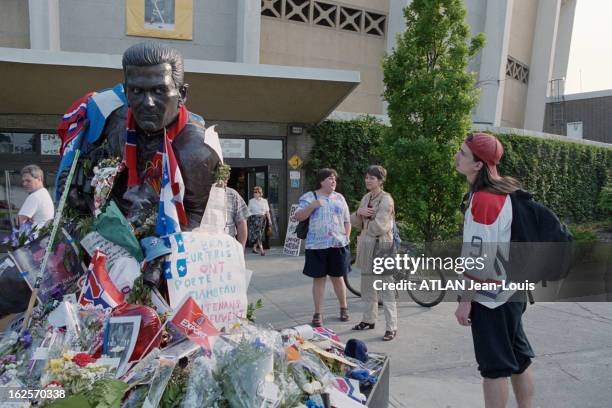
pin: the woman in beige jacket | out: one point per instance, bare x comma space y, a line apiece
375, 218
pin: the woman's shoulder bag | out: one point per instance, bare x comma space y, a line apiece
302, 228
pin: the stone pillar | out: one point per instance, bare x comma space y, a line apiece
494, 55
44, 24
564, 39
396, 23
248, 31
542, 57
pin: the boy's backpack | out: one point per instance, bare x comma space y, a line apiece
302, 228
540, 248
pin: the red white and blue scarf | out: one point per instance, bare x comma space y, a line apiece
153, 173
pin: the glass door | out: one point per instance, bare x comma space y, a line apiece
257, 176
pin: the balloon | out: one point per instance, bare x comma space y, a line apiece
149, 327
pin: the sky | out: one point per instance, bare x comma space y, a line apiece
590, 60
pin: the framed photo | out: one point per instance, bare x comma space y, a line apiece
63, 269
120, 337
159, 15
160, 18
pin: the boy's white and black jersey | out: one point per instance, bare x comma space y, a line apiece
486, 234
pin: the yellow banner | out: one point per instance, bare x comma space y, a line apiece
160, 18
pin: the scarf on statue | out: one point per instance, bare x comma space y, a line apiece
155, 167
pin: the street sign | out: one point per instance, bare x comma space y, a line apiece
295, 161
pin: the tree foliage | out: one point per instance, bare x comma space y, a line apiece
347, 147
430, 96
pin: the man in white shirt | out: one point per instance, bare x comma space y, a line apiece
38, 207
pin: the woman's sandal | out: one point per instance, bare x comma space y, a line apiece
389, 335
317, 321
344, 316
364, 326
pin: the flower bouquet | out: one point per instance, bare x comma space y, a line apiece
103, 180
76, 372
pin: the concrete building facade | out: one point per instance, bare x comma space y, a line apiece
263, 70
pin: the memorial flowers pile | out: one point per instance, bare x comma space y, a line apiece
117, 334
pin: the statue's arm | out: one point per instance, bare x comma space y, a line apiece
197, 162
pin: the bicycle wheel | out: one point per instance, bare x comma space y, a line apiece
426, 295
353, 279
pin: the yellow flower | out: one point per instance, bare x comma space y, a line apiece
67, 356
56, 365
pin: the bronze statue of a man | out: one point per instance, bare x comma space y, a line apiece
156, 94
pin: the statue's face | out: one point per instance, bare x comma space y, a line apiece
152, 95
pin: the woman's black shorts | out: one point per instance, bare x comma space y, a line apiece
330, 261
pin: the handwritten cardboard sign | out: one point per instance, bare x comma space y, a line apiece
210, 268
292, 242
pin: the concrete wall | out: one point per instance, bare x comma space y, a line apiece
594, 113
99, 26
302, 146
520, 44
14, 24
285, 42
513, 108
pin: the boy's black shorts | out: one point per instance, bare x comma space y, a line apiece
500, 344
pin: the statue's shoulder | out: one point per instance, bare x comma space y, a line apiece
114, 130
190, 141
193, 132
195, 125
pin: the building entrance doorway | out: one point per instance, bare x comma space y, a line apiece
244, 179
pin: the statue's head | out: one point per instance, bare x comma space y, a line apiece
153, 79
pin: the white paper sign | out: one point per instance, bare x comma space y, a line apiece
215, 215
211, 138
292, 242
50, 144
112, 251
215, 275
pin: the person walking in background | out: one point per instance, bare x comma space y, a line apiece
376, 218
501, 347
260, 213
327, 250
38, 207
237, 214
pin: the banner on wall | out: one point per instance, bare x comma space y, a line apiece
160, 18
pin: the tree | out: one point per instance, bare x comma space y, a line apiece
430, 96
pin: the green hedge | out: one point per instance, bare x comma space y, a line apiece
567, 177
349, 148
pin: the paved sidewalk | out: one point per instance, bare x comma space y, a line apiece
432, 359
